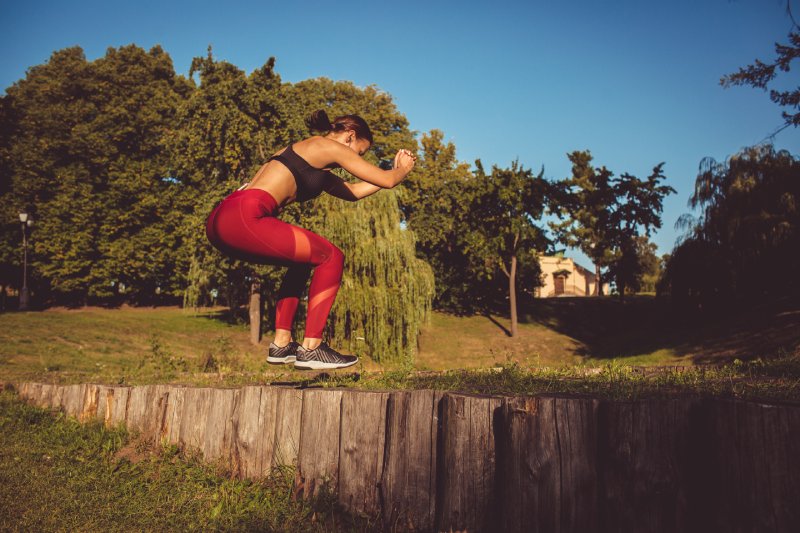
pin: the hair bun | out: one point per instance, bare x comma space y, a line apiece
319, 121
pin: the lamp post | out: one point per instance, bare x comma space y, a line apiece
24, 298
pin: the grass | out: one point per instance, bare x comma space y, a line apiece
569, 345
776, 379
56, 474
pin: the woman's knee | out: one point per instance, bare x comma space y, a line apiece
336, 256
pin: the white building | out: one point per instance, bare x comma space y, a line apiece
564, 277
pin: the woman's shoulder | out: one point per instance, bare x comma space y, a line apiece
317, 150
315, 141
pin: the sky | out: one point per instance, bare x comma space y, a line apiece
636, 82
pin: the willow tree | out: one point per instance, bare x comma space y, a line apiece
386, 291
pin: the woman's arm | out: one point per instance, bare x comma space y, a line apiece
355, 165
350, 191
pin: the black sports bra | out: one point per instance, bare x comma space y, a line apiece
310, 180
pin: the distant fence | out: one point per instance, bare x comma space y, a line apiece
430, 460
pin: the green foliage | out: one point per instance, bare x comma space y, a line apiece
583, 204
87, 160
435, 202
471, 226
743, 247
386, 291
603, 216
505, 206
636, 210
760, 75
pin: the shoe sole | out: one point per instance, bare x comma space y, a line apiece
281, 360
320, 365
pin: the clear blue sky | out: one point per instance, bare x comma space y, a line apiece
634, 81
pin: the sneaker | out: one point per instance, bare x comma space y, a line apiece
322, 357
279, 355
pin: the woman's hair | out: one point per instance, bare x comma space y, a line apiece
319, 121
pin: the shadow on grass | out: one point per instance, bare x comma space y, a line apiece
643, 325
498, 324
232, 317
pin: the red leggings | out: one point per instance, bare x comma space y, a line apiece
244, 227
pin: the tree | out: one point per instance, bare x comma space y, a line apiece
435, 202
583, 203
743, 246
761, 75
503, 233
636, 209
86, 159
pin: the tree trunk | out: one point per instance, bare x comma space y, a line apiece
512, 294
598, 281
255, 312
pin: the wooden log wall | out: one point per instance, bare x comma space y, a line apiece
433, 461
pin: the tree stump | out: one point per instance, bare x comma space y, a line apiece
361, 450
408, 480
171, 424
467, 491
547, 460
646, 451
318, 457
753, 470
288, 414
193, 422
91, 397
58, 397
72, 400
117, 405
46, 395
146, 409
218, 439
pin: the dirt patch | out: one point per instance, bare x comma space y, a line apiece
137, 450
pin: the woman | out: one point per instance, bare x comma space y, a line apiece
245, 226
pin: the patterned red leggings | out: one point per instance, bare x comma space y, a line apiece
244, 227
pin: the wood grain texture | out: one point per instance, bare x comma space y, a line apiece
288, 414
318, 456
408, 481
72, 399
754, 472
46, 395
361, 450
218, 434
91, 400
645, 458
467, 491
117, 412
254, 429
193, 422
170, 430
146, 410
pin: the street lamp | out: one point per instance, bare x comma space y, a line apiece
24, 298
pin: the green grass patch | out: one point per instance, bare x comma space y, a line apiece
776, 379
56, 474
584, 344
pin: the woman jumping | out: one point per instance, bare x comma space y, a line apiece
245, 226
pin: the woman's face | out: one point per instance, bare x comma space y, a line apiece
360, 146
